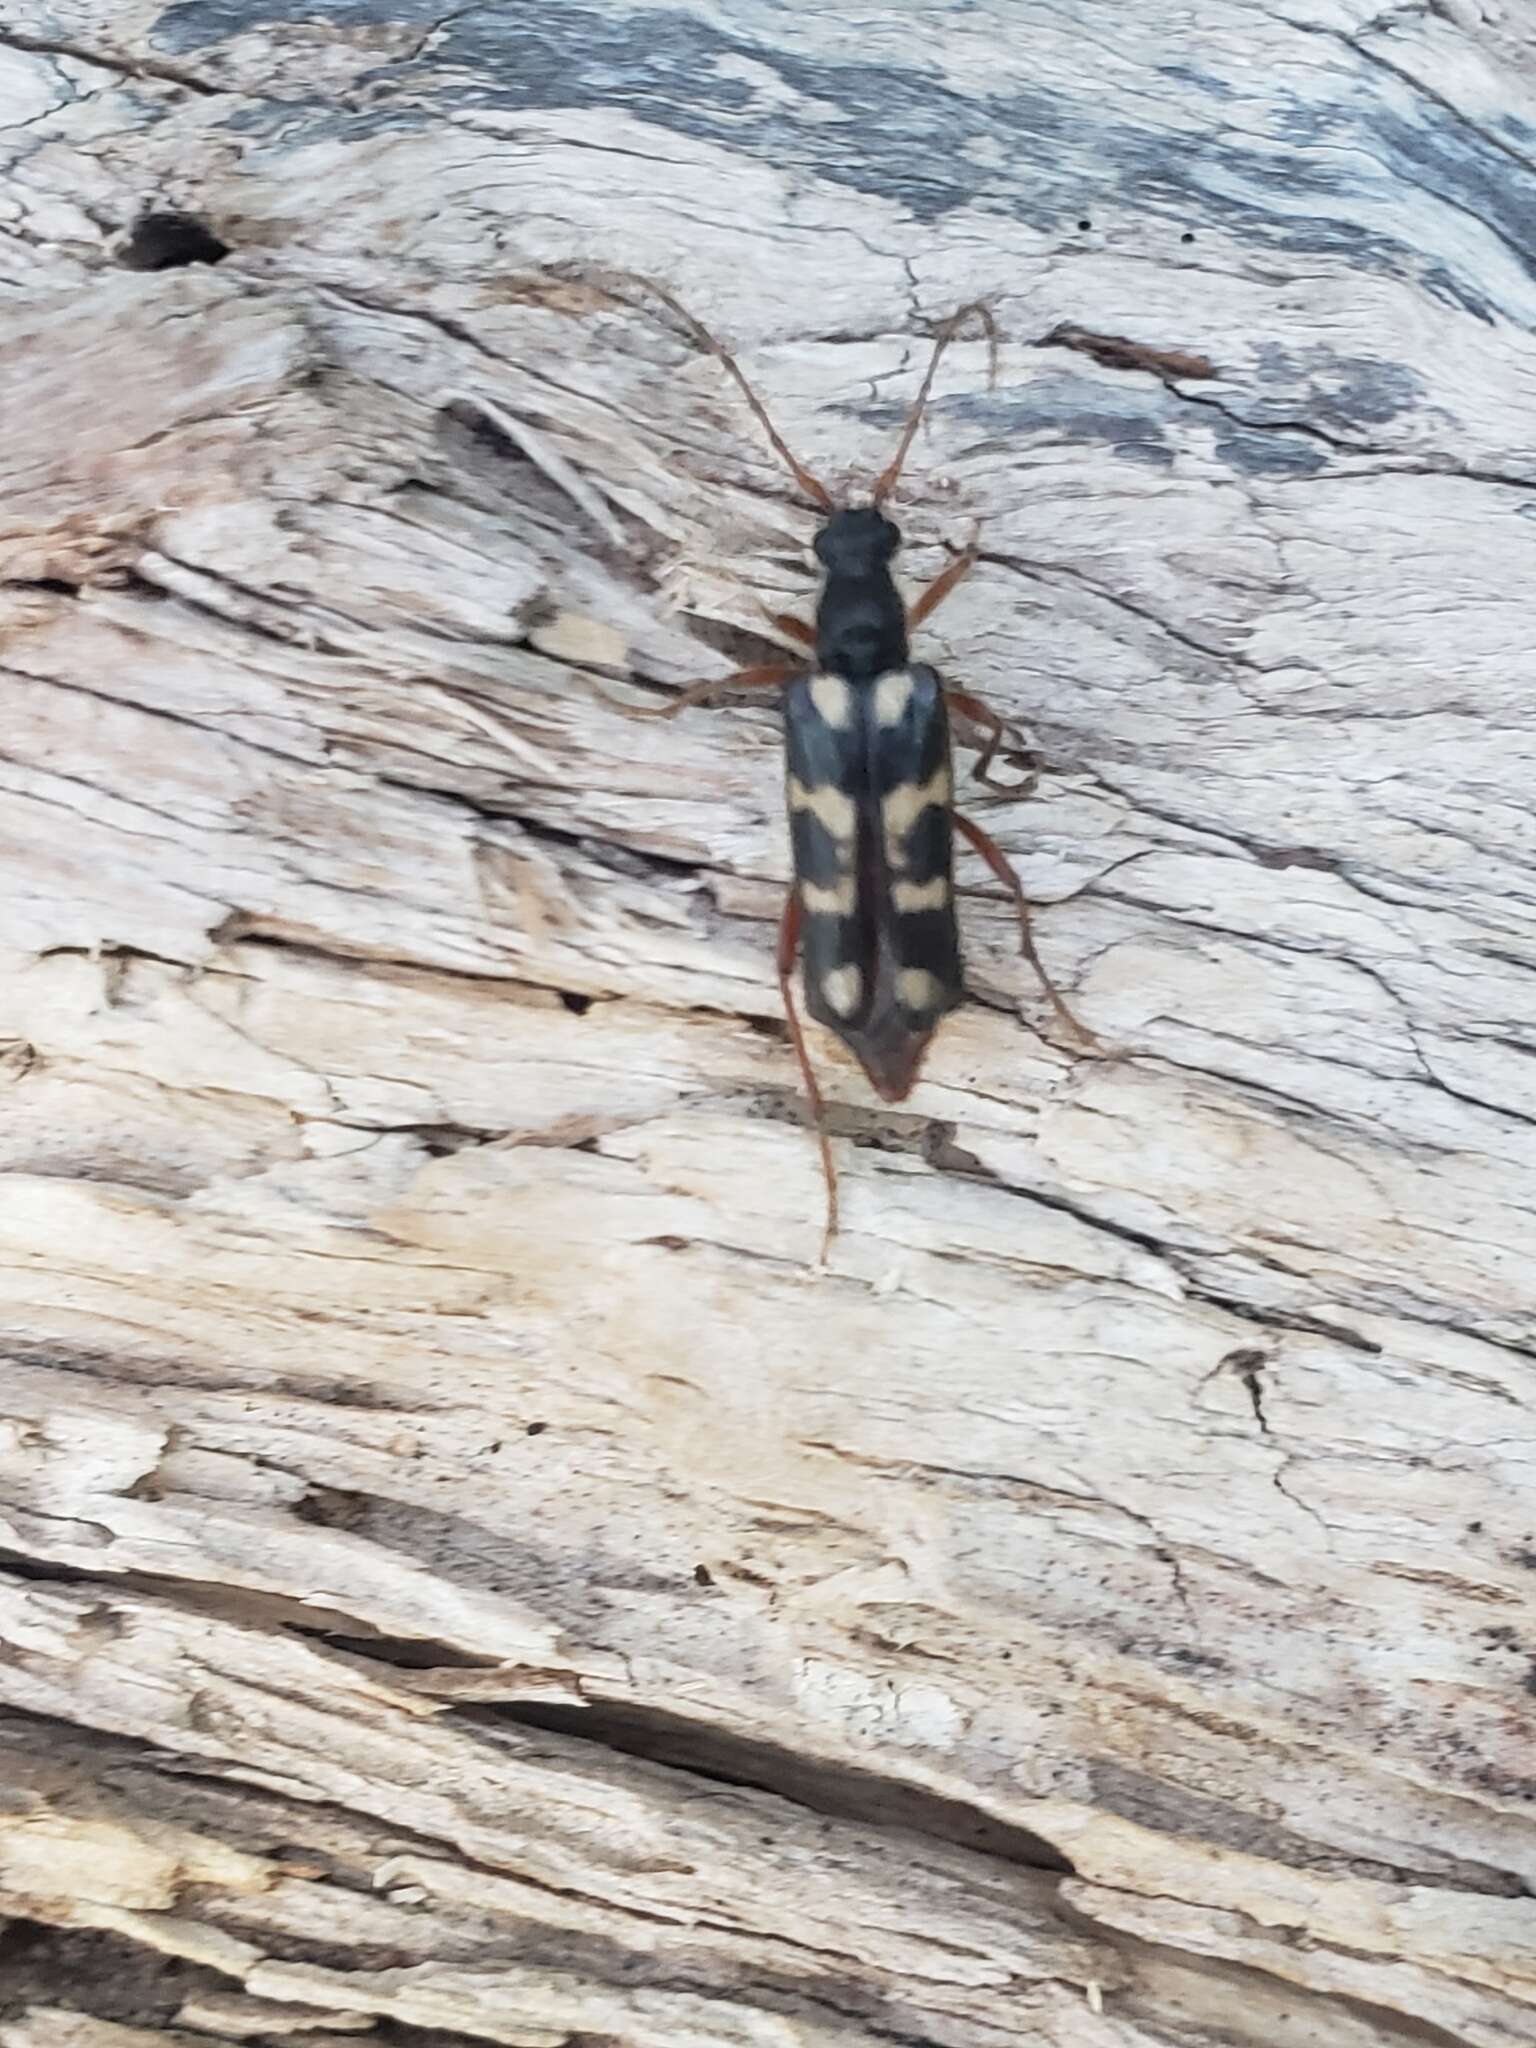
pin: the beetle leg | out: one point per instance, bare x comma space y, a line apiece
789, 946
998, 862
793, 628
764, 678
997, 730
942, 584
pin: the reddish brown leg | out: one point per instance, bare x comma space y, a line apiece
942, 585
765, 678
997, 861
970, 707
997, 730
789, 946
793, 628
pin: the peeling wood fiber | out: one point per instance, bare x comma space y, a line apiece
466, 1575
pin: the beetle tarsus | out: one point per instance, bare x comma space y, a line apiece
770, 675
789, 946
1000, 865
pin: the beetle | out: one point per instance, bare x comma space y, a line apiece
869, 779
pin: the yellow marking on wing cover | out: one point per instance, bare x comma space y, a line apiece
893, 693
833, 701
906, 804
921, 895
836, 901
843, 988
917, 989
825, 802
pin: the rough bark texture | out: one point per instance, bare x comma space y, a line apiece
468, 1575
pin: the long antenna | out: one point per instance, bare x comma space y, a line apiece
886, 481
814, 489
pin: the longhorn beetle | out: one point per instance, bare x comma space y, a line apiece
869, 780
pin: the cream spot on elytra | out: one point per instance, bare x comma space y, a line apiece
843, 988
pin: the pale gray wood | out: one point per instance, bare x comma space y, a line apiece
465, 1564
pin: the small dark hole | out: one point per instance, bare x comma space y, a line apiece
485, 431
1083, 226
537, 1428
1245, 1360
577, 1005
328, 1507
168, 241
1186, 236
702, 1575
55, 584
1474, 1528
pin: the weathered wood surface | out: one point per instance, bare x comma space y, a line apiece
467, 1573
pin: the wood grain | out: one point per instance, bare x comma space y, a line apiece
467, 1573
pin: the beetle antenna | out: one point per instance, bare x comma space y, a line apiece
812, 486
886, 481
